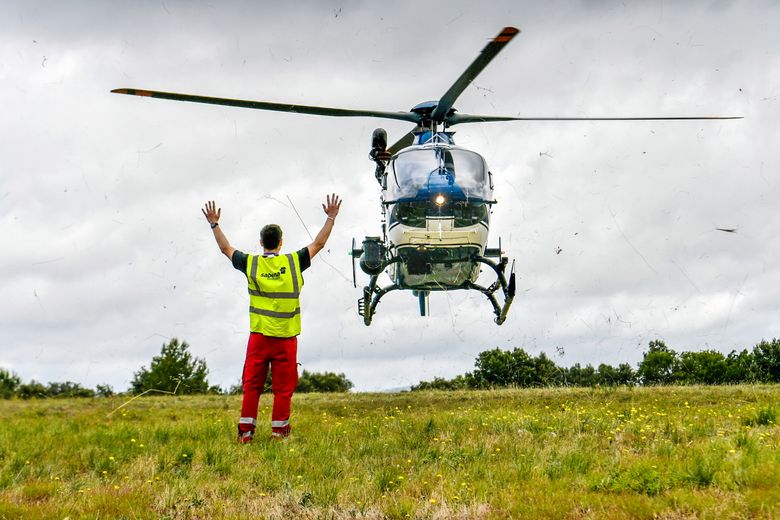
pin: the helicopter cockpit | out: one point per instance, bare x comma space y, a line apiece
439, 181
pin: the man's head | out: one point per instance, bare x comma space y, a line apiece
271, 237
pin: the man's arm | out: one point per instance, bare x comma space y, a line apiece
331, 208
212, 214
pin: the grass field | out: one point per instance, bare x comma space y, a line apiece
675, 452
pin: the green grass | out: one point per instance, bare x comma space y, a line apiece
687, 452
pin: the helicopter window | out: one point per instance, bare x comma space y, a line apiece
409, 214
419, 174
469, 213
414, 213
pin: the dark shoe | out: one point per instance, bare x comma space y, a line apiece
281, 432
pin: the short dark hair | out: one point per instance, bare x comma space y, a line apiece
270, 236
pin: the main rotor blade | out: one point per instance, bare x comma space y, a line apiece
278, 107
406, 140
468, 118
488, 53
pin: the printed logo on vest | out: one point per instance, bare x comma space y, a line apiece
274, 276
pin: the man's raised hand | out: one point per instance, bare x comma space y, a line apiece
212, 214
332, 206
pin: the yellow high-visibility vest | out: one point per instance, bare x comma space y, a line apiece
274, 288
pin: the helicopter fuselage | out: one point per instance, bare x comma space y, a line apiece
437, 198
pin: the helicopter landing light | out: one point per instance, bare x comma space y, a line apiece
439, 200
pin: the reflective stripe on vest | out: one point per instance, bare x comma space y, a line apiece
274, 308
274, 314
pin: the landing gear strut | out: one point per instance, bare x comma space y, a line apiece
372, 293
507, 288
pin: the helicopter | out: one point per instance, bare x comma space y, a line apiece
436, 197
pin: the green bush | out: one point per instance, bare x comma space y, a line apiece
31, 390
9, 384
657, 366
307, 382
766, 356
440, 383
323, 382
707, 367
68, 389
104, 391
501, 368
173, 370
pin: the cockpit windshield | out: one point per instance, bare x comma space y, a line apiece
421, 174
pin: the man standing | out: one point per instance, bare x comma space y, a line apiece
275, 282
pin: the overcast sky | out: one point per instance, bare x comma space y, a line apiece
106, 255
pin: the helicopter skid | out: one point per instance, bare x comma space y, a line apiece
372, 293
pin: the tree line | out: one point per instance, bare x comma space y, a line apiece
173, 371
660, 365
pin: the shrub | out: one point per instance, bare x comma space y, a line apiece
104, 391
31, 390
700, 368
657, 366
440, 383
9, 384
173, 370
323, 382
577, 375
68, 389
741, 368
767, 360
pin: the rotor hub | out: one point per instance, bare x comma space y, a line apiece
426, 109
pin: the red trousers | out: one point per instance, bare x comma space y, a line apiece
280, 354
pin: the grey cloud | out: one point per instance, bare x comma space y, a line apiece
100, 193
